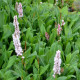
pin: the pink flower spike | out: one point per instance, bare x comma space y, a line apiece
58, 25
59, 29
20, 10
20, 5
47, 35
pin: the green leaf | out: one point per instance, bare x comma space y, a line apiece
62, 78
42, 30
78, 43
77, 73
3, 18
70, 76
35, 77
19, 71
68, 48
64, 11
29, 35
76, 26
1, 74
50, 78
11, 46
43, 69
51, 1
1, 60
74, 57
57, 12
27, 78
7, 31
9, 53
53, 35
12, 78
8, 74
11, 61
36, 64
41, 51
68, 58
53, 49
35, 70
50, 22
33, 54
5, 1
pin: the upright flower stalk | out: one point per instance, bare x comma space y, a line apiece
59, 29
47, 35
20, 10
57, 63
16, 38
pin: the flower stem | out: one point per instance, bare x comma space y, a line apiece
56, 77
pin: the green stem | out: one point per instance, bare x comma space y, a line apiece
55, 77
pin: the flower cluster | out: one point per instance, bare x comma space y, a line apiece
47, 35
17, 44
16, 38
63, 23
59, 29
19, 9
16, 24
57, 63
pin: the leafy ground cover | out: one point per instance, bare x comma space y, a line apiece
39, 40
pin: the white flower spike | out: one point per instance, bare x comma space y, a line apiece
57, 63
16, 38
